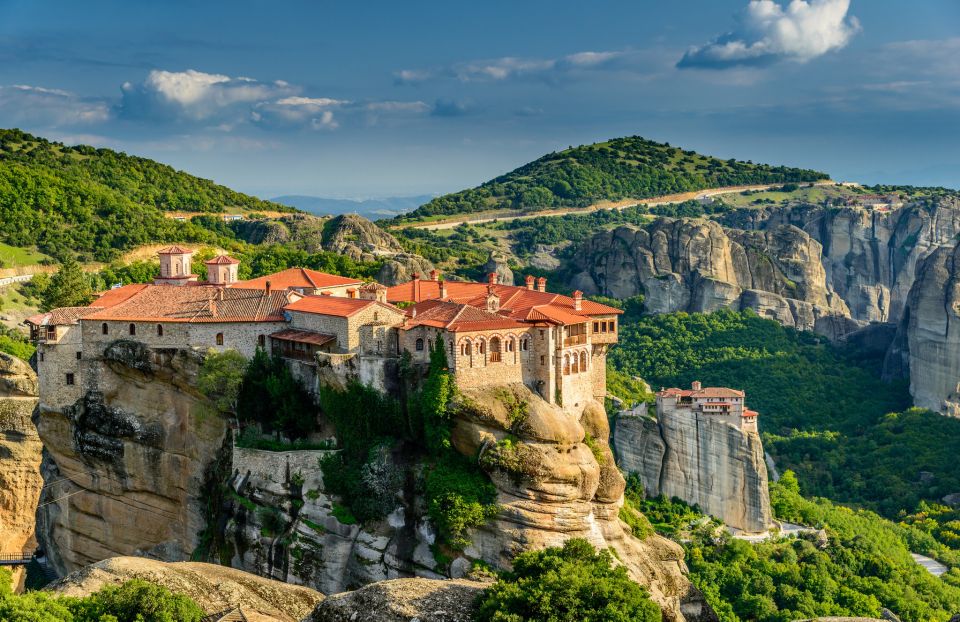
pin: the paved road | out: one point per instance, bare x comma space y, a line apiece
607, 205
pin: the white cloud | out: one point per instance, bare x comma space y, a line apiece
768, 32
22, 104
509, 67
398, 106
197, 96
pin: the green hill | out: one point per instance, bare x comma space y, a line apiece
631, 167
97, 203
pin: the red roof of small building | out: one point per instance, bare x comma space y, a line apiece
174, 250
62, 316
221, 260
297, 278
457, 317
162, 303
704, 392
750, 413
333, 305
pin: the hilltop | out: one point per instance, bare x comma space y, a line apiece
631, 167
98, 203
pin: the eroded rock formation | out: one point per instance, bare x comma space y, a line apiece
402, 600
214, 588
701, 460
125, 465
20, 451
697, 265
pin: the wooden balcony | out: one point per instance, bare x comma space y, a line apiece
574, 340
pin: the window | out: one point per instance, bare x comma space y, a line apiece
219, 339
159, 330
451, 348
261, 341
79, 355
583, 361
575, 365
482, 346
104, 329
543, 359
566, 364
376, 316
133, 329
419, 345
41, 357
596, 327
70, 379
495, 350
541, 334
379, 345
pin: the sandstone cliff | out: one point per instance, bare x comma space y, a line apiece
20, 451
697, 265
214, 588
870, 256
125, 466
403, 600
701, 460
927, 345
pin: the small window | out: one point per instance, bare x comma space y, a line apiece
419, 345
541, 334
41, 357
596, 327
261, 341
451, 348
543, 359
379, 346
79, 355
104, 329
70, 379
159, 330
376, 316
219, 339
133, 329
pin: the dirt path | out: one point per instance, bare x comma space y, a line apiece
602, 205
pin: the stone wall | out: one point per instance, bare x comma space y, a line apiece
699, 459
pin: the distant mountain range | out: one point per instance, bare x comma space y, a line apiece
369, 208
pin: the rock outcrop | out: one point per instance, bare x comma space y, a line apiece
555, 484
703, 461
697, 265
498, 264
927, 345
214, 588
125, 466
20, 452
401, 267
403, 600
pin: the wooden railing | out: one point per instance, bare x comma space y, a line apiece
574, 340
495, 357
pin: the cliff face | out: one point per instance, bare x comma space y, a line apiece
125, 465
927, 345
20, 450
703, 461
697, 265
869, 256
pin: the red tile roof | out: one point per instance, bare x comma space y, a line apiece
62, 316
221, 260
113, 297
704, 392
457, 317
750, 413
303, 336
518, 303
162, 303
297, 278
174, 250
333, 305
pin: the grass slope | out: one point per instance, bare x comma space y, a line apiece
98, 203
619, 168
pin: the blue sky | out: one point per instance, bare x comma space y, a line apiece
365, 99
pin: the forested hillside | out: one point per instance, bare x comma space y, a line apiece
631, 167
97, 202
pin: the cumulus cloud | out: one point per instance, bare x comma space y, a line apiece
22, 104
197, 96
509, 67
296, 111
768, 32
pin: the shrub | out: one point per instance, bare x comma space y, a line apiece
573, 582
459, 497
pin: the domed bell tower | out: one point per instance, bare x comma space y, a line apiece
222, 270
175, 262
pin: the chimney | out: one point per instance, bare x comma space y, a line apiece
268, 288
492, 278
434, 274
413, 311
577, 300
542, 284
416, 276
220, 294
443, 289
695, 385
530, 281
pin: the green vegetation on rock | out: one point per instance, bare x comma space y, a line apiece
572, 582
620, 168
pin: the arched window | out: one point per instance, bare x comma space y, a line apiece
466, 349
419, 345
574, 364
104, 328
159, 330
451, 347
509, 344
133, 329
566, 364
219, 339
376, 316
583, 361
495, 349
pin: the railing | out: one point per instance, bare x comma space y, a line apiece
574, 340
15, 559
495, 357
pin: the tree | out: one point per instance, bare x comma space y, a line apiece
136, 601
69, 287
572, 582
220, 378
